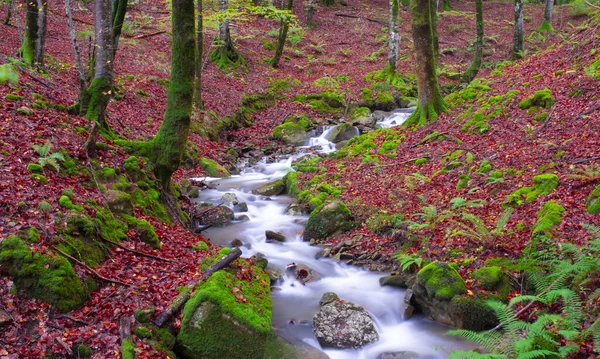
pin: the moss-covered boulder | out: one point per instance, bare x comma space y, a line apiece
293, 130
592, 205
291, 184
213, 169
227, 317
471, 313
49, 278
542, 185
326, 220
492, 278
119, 202
271, 189
342, 132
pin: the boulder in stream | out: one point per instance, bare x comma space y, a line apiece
342, 324
229, 198
217, 216
242, 207
332, 217
343, 132
275, 236
271, 189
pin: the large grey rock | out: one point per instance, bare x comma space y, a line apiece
379, 115
229, 198
342, 324
343, 132
218, 216
271, 189
275, 236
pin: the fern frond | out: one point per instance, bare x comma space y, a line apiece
49, 161
568, 350
459, 354
503, 221
478, 224
44, 149
521, 299
489, 342
569, 334
57, 156
540, 353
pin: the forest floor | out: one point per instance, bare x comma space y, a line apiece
515, 144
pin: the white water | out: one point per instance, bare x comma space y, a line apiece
294, 304
396, 118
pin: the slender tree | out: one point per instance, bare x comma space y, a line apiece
40, 40
225, 55
73, 36
472, 71
283, 30
9, 10
32, 48
517, 52
547, 23
310, 15
430, 102
199, 55
394, 41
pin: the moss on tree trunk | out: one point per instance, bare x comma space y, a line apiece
517, 52
430, 102
225, 56
199, 55
30, 35
283, 30
394, 41
473, 69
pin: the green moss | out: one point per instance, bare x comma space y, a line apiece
65, 202
32, 235
149, 202
441, 281
463, 181
329, 189
540, 117
83, 351
200, 246
592, 205
421, 161
492, 278
328, 218
142, 332
360, 112
384, 223
132, 168
108, 174
477, 123
291, 184
110, 227
80, 224
39, 178
289, 132
206, 263
144, 229
212, 168
542, 98
35, 168
218, 324
389, 146
13, 97
127, 349
474, 313
542, 185
307, 165
549, 216
49, 278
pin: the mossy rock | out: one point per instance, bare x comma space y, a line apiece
542, 98
271, 189
291, 184
327, 219
592, 205
471, 313
542, 185
82, 351
549, 217
227, 318
293, 130
441, 281
145, 231
46, 277
119, 202
35, 168
306, 164
66, 203
144, 315
342, 132
492, 278
213, 169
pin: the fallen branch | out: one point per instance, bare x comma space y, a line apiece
359, 17
89, 269
592, 5
75, 18
142, 254
589, 111
584, 160
179, 302
64, 345
202, 229
144, 36
539, 129
72, 318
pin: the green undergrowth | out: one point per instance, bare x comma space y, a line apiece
542, 185
327, 101
542, 99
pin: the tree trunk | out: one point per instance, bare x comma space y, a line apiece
72, 34
9, 9
430, 102
225, 55
547, 23
394, 41
30, 35
434, 34
40, 40
517, 52
310, 15
169, 144
283, 30
118, 17
199, 55
472, 71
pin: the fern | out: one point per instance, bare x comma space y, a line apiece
44, 149
46, 158
540, 353
503, 221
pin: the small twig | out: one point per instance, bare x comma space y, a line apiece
72, 318
541, 128
143, 36
360, 17
64, 345
589, 111
134, 251
592, 5
584, 160
89, 269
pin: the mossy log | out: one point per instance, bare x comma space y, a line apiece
180, 301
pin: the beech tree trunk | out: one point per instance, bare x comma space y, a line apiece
547, 23
118, 17
30, 35
225, 55
517, 52
394, 41
40, 41
73, 36
283, 30
472, 71
9, 10
310, 15
199, 55
430, 102
169, 144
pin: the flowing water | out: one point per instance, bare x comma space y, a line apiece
294, 303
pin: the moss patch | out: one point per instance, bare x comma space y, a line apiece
213, 169
492, 278
441, 281
542, 98
592, 205
549, 216
542, 185
291, 184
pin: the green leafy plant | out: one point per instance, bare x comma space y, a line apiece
473, 227
408, 262
47, 158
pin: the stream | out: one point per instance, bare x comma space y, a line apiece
295, 303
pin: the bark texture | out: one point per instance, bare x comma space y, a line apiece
199, 55
310, 15
472, 71
283, 30
9, 10
30, 35
547, 23
430, 102
225, 55
40, 41
394, 41
73, 36
517, 52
